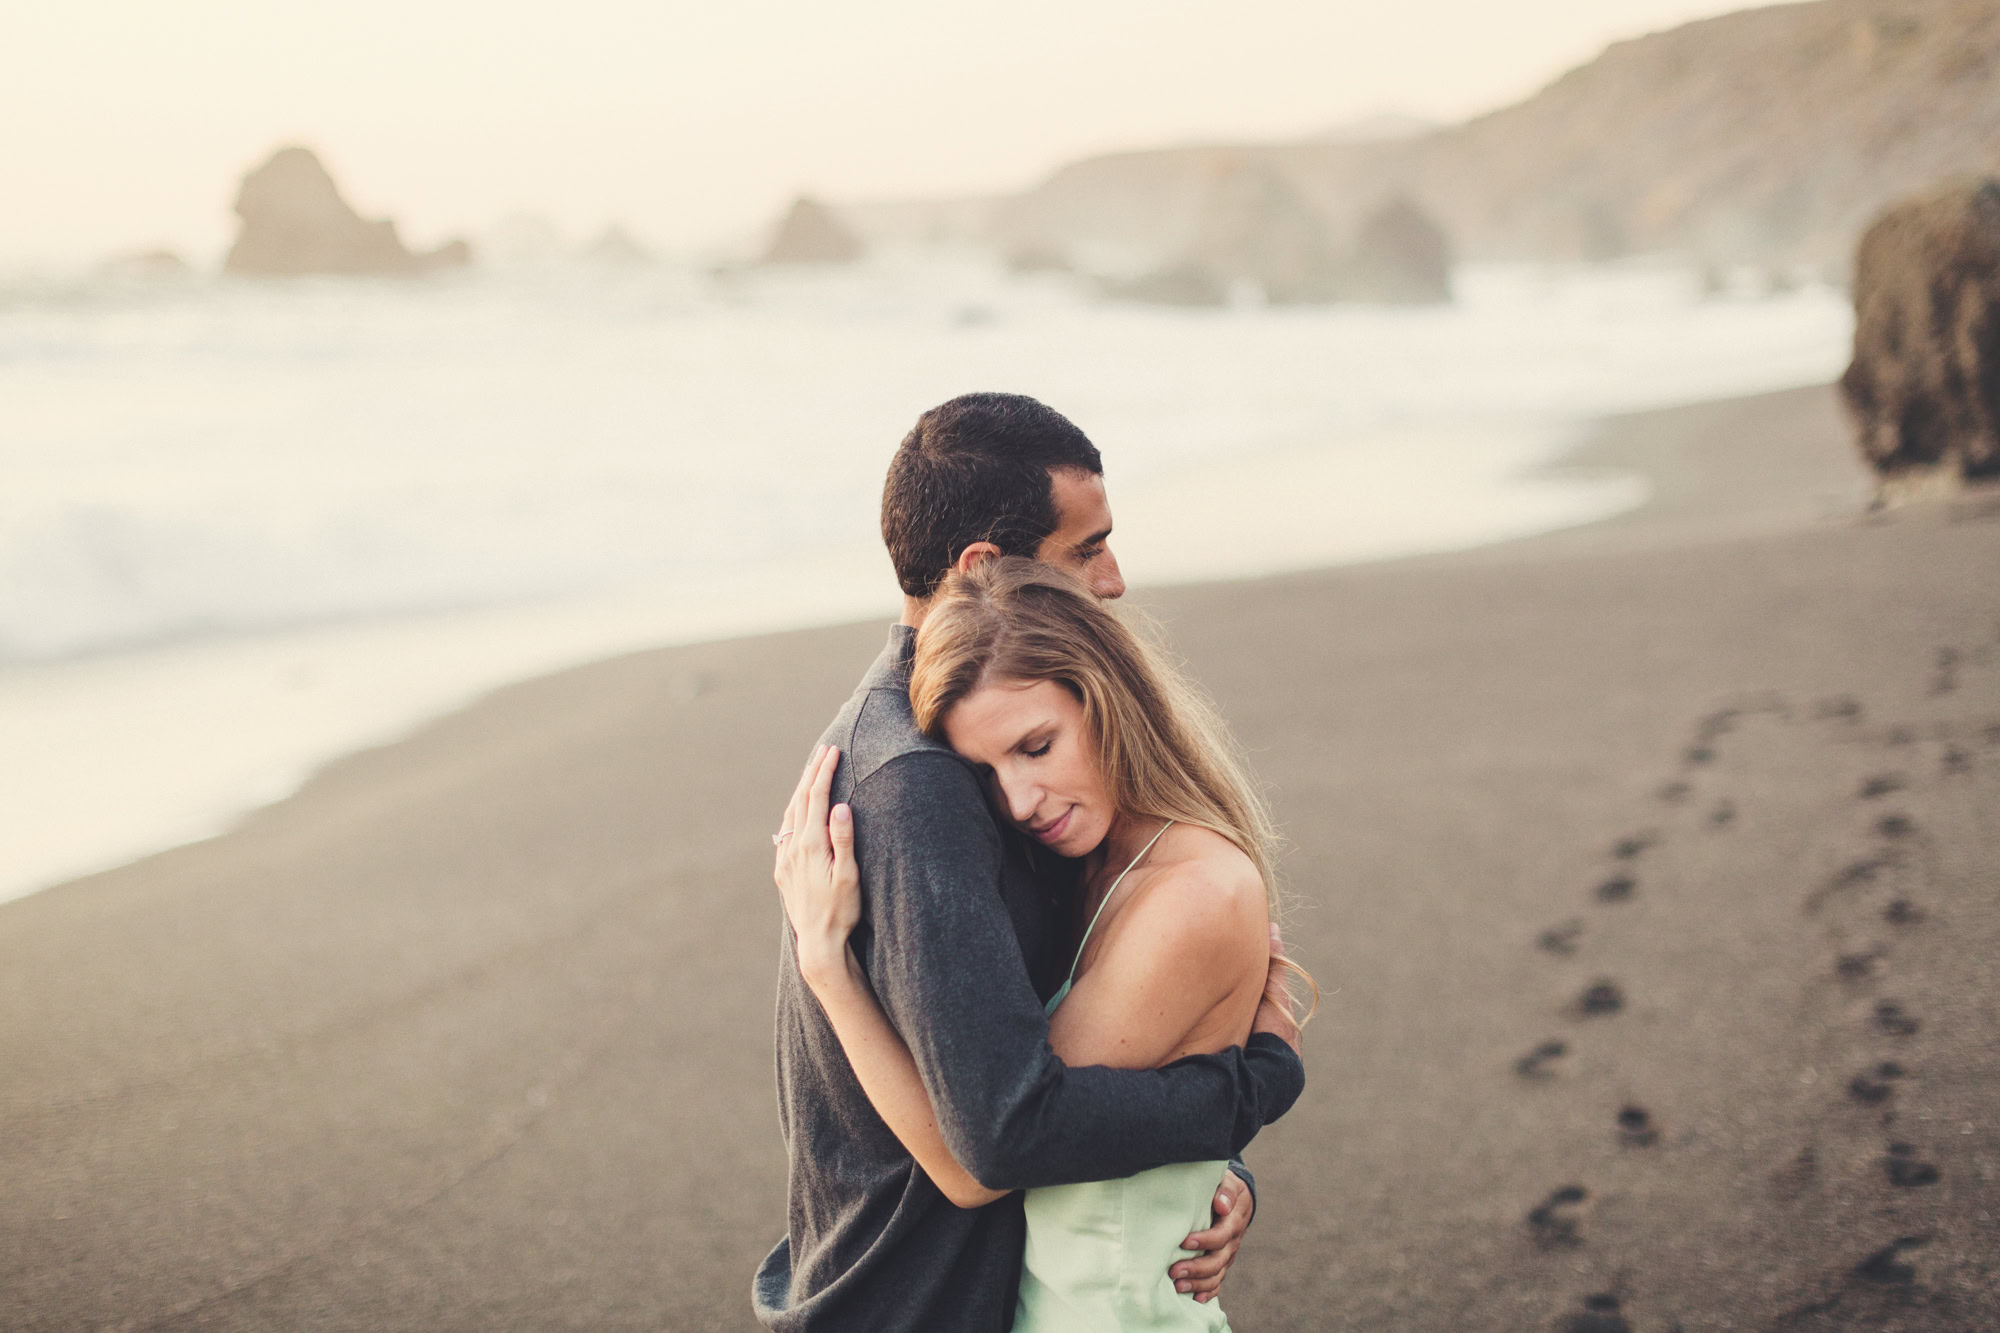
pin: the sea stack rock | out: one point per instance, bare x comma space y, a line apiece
616, 248
1253, 226
1924, 385
811, 234
1250, 228
295, 222
1400, 255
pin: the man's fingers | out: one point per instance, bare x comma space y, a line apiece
1275, 1014
1224, 1233
1206, 1267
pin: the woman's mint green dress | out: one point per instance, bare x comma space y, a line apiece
1098, 1252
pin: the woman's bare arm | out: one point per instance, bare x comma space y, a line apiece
823, 903
887, 1073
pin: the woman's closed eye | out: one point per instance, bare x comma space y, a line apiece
1037, 751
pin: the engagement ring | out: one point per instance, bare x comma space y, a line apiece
779, 837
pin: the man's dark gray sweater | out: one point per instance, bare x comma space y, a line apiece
954, 925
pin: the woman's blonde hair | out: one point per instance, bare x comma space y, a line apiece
1162, 748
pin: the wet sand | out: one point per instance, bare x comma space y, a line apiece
1649, 869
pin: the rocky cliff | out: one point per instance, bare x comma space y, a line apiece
1769, 136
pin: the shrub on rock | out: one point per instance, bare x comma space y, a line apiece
1924, 385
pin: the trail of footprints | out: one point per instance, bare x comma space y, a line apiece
1556, 1222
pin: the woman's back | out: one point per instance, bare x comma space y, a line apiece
1098, 1253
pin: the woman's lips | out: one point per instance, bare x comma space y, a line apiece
1049, 833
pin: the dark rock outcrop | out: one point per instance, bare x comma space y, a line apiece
295, 222
1400, 255
811, 234
1924, 385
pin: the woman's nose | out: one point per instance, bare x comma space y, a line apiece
1023, 799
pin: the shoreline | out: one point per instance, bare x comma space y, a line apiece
1634, 859
324, 691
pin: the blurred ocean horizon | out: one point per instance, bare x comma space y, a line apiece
253, 526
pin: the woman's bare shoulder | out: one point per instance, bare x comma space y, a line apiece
1203, 890
1193, 862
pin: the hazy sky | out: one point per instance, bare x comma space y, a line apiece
126, 123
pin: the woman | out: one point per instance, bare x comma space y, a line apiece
1099, 751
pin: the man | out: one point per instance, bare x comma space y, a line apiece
962, 940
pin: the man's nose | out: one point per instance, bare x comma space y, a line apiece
1107, 580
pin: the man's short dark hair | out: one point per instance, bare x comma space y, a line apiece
976, 469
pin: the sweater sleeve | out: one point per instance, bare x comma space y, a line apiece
942, 956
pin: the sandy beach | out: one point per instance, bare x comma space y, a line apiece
1649, 869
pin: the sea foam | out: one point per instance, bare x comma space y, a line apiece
250, 527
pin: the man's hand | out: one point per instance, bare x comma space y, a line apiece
1203, 1274
1274, 1011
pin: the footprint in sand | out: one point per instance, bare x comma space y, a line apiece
1600, 1315
1535, 1064
1673, 793
1560, 939
1636, 1128
1902, 912
1840, 708
1616, 889
1552, 1223
1626, 848
1885, 1267
1882, 784
1945, 679
1905, 1170
1875, 1086
1599, 998
1723, 815
1895, 826
1955, 760
1856, 967
1891, 1019
1850, 876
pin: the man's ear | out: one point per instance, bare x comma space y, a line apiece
972, 555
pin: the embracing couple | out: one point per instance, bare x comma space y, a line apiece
1031, 1000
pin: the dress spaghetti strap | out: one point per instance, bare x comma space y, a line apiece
1104, 902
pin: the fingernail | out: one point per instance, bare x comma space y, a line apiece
841, 814
1180, 1286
